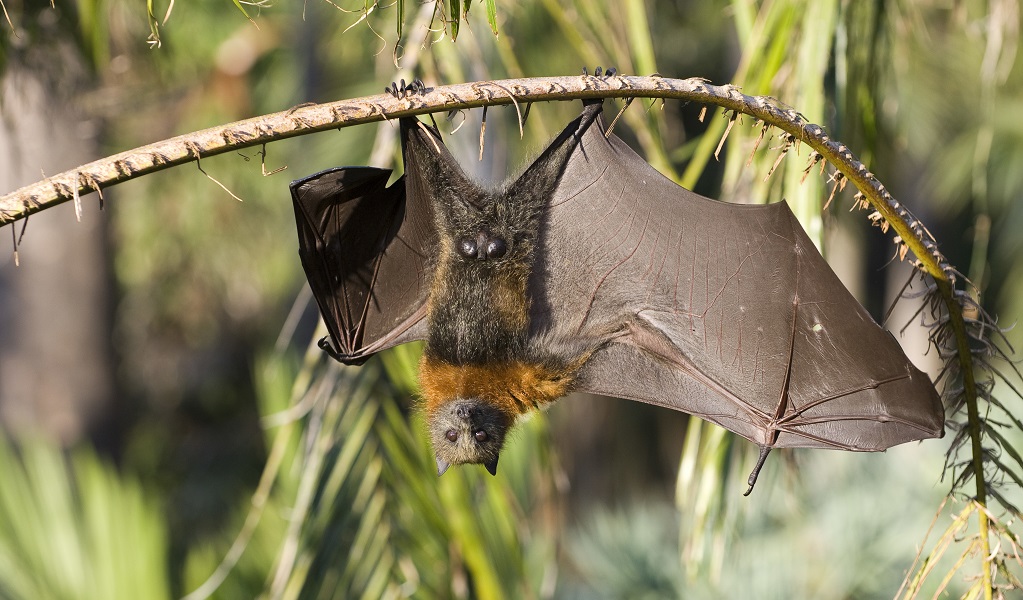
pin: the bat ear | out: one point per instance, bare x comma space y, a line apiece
442, 465
492, 466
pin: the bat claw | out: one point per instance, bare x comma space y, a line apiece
403, 90
600, 73
328, 347
764, 451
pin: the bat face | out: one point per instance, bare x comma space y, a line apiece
467, 431
592, 272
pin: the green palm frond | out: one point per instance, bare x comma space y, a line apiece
367, 515
72, 528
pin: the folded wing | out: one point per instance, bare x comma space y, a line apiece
366, 249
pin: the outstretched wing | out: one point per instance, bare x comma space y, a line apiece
719, 310
367, 251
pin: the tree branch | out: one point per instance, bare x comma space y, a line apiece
302, 120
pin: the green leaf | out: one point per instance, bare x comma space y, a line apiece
238, 4
401, 16
76, 528
491, 6
455, 15
154, 25
640, 41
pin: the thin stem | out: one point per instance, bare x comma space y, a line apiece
973, 425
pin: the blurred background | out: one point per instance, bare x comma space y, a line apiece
168, 427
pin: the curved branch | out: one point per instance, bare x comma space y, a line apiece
302, 120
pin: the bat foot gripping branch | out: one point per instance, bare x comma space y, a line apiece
764, 451
403, 91
598, 72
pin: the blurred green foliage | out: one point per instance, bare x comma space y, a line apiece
72, 527
346, 503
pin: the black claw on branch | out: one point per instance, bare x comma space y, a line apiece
600, 73
402, 90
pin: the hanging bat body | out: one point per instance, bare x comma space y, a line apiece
593, 272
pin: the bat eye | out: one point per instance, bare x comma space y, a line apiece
467, 247
496, 248
481, 436
452, 435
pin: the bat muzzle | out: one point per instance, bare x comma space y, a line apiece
468, 430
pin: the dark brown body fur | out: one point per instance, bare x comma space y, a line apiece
483, 366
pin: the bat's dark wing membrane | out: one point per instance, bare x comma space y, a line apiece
366, 251
723, 311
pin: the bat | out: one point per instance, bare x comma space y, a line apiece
592, 272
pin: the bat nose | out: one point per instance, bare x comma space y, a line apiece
463, 411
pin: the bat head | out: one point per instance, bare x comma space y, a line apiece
467, 431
